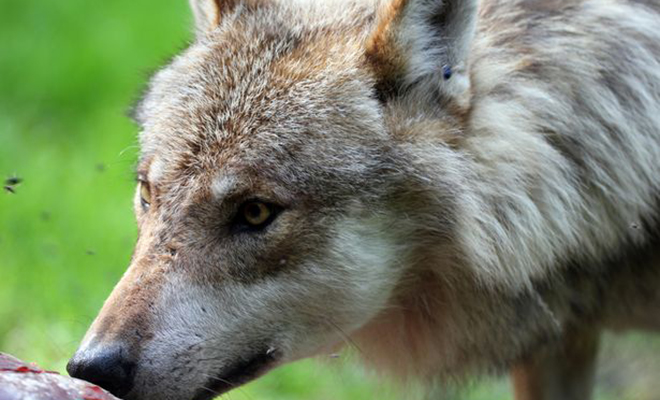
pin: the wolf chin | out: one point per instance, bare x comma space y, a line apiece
459, 187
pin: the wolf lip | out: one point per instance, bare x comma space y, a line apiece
237, 374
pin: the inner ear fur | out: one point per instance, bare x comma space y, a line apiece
423, 42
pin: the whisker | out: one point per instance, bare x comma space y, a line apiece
347, 339
214, 392
133, 146
234, 386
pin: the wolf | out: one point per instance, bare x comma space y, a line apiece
459, 187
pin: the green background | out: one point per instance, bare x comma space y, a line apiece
69, 70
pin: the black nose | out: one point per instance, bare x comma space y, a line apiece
107, 367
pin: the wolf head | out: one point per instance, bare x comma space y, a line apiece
279, 207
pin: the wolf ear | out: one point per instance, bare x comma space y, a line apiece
423, 42
206, 13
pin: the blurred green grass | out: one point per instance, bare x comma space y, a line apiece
68, 72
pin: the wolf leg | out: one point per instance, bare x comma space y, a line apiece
564, 373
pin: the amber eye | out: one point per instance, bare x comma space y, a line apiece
254, 216
145, 194
256, 213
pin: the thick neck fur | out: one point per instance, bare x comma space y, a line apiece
553, 163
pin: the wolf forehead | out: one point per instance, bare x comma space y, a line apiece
260, 87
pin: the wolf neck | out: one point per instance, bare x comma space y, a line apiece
515, 205
519, 211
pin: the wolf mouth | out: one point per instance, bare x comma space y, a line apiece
237, 374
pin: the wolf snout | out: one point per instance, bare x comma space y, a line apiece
107, 366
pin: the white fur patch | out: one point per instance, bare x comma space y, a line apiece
222, 186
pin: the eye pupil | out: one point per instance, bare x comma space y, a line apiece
253, 211
256, 213
254, 216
